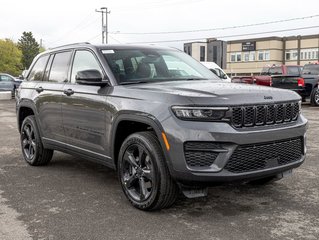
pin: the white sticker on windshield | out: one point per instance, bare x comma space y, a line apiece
108, 51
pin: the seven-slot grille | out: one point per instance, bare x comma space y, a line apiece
252, 157
249, 116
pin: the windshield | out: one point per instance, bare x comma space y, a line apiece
265, 71
311, 69
275, 71
152, 65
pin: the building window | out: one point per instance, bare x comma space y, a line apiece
214, 54
291, 55
246, 56
202, 53
267, 55
249, 56
235, 57
252, 56
264, 55
309, 54
238, 57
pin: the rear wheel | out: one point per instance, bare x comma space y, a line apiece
32, 148
314, 98
143, 173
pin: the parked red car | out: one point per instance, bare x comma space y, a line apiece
264, 78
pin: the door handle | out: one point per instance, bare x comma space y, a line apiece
68, 92
39, 89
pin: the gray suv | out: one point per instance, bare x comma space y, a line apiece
160, 118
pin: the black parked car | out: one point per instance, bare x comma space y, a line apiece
125, 107
305, 84
9, 83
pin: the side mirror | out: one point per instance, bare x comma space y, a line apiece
90, 77
224, 76
23, 74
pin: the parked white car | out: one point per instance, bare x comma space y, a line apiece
217, 70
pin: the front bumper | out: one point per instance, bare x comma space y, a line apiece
223, 134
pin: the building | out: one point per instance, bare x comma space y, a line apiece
212, 50
249, 56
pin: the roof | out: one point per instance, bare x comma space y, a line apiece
107, 46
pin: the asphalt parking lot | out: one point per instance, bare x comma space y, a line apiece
75, 199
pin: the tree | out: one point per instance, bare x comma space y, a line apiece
29, 47
10, 57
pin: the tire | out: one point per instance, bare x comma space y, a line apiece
13, 92
314, 97
143, 173
31, 144
264, 181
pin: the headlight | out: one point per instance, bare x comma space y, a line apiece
200, 113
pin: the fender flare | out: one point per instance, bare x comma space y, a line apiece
28, 104
140, 117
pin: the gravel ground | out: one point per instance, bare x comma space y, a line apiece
75, 199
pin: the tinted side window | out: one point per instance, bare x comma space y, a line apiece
293, 70
84, 60
311, 69
47, 69
5, 78
37, 71
60, 67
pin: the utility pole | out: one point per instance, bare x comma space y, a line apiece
104, 24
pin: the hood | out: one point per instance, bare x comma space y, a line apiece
214, 92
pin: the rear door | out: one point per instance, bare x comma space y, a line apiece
85, 112
49, 95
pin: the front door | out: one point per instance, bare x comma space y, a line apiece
84, 108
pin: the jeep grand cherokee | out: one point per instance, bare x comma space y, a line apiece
158, 117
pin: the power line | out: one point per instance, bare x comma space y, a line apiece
230, 36
93, 37
115, 39
219, 28
78, 28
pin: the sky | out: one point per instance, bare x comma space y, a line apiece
63, 22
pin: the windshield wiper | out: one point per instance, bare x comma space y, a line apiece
191, 79
133, 82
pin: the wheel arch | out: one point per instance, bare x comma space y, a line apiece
25, 109
141, 122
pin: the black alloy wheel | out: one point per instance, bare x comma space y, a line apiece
137, 172
315, 97
29, 146
32, 148
143, 173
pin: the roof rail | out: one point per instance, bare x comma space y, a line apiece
71, 44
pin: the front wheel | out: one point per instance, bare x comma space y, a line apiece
32, 148
314, 97
143, 173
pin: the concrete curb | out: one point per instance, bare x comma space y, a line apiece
5, 95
